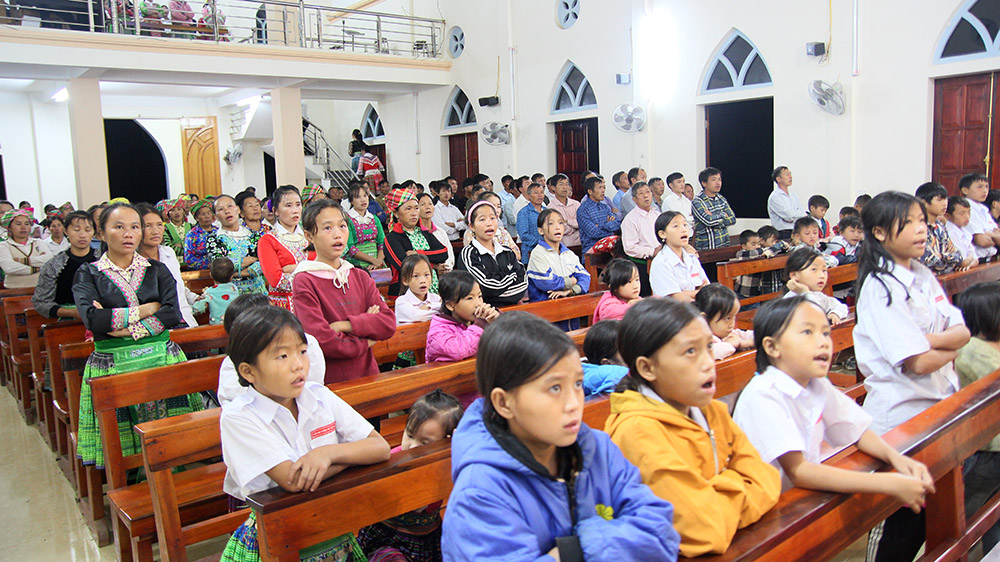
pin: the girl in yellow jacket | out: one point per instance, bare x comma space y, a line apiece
686, 446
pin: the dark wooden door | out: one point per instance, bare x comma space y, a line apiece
576, 151
463, 154
961, 128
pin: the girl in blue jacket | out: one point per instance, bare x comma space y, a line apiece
531, 481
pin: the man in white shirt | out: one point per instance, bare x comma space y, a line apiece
448, 217
783, 207
675, 200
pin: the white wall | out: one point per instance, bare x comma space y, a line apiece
37, 153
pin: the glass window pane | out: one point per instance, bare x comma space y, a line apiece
453, 118
965, 40
988, 12
470, 117
564, 101
379, 131
720, 78
757, 73
737, 52
588, 98
461, 99
574, 79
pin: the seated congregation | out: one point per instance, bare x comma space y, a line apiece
637, 416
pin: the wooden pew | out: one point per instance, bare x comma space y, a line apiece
16, 309
814, 526
5, 339
595, 264
955, 283
44, 410
197, 280
64, 411
729, 271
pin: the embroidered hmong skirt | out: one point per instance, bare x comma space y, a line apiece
243, 547
416, 548
122, 355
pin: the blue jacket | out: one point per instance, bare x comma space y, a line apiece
548, 270
505, 506
527, 230
601, 379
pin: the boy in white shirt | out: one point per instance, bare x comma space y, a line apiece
958, 216
675, 200
985, 234
448, 217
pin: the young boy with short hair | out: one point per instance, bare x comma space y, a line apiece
844, 246
958, 216
940, 254
761, 244
818, 206
861, 201
805, 233
985, 234
218, 297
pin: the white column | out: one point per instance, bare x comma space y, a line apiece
86, 128
286, 118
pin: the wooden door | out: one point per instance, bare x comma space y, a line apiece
573, 147
200, 142
463, 155
962, 128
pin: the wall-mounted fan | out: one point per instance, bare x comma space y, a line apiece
629, 117
829, 97
234, 154
495, 134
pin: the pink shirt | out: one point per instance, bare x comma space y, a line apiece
639, 233
571, 235
610, 307
448, 340
722, 349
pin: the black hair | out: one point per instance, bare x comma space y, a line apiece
707, 173
514, 350
280, 194
601, 341
803, 223
48, 222
483, 196
533, 185
637, 185
885, 211
747, 235
444, 185
633, 173
771, 321
553, 180
618, 273
544, 216
592, 182
654, 179
715, 300
992, 197
507, 178
863, 200
79, 216
453, 287
980, 306
766, 232
850, 221
800, 260
222, 270
241, 304
472, 202
244, 196
663, 221
256, 329
777, 172
969, 179
928, 191
435, 405
674, 176
957, 201
314, 209
410, 263
617, 177
849, 211
106, 212
146, 209
649, 325
356, 191
819, 201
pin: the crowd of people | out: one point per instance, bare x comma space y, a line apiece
675, 472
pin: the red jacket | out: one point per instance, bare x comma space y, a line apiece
318, 303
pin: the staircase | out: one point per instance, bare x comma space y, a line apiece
335, 169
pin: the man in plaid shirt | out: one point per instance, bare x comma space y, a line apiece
712, 214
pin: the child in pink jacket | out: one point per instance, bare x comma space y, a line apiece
622, 278
455, 331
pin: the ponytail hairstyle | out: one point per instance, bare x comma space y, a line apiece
436, 405
715, 300
649, 325
800, 260
453, 287
618, 273
601, 343
663, 221
887, 211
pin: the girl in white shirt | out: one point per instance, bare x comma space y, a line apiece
907, 333
806, 270
674, 272
418, 304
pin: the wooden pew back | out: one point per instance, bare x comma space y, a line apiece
955, 283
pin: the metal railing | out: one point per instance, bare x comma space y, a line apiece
338, 170
262, 22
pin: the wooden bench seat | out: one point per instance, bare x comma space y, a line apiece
65, 412
15, 310
5, 337
955, 283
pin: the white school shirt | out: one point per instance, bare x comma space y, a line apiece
962, 239
408, 308
670, 274
168, 257
449, 213
981, 222
887, 334
258, 434
681, 204
229, 382
826, 302
779, 415
55, 248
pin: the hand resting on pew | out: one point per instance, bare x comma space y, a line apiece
323, 462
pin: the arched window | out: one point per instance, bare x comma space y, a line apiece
737, 64
972, 32
459, 112
371, 127
574, 91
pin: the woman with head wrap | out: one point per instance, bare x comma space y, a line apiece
195, 242
176, 225
20, 255
405, 237
311, 193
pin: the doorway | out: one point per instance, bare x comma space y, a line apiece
963, 127
270, 175
463, 156
379, 150
136, 168
3, 183
200, 144
740, 142
577, 152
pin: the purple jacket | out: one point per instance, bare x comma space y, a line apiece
450, 340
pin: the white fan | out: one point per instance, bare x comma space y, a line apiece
829, 97
233, 156
495, 134
629, 117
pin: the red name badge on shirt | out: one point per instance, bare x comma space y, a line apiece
939, 299
321, 431
695, 275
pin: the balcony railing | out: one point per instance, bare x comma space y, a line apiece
259, 22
